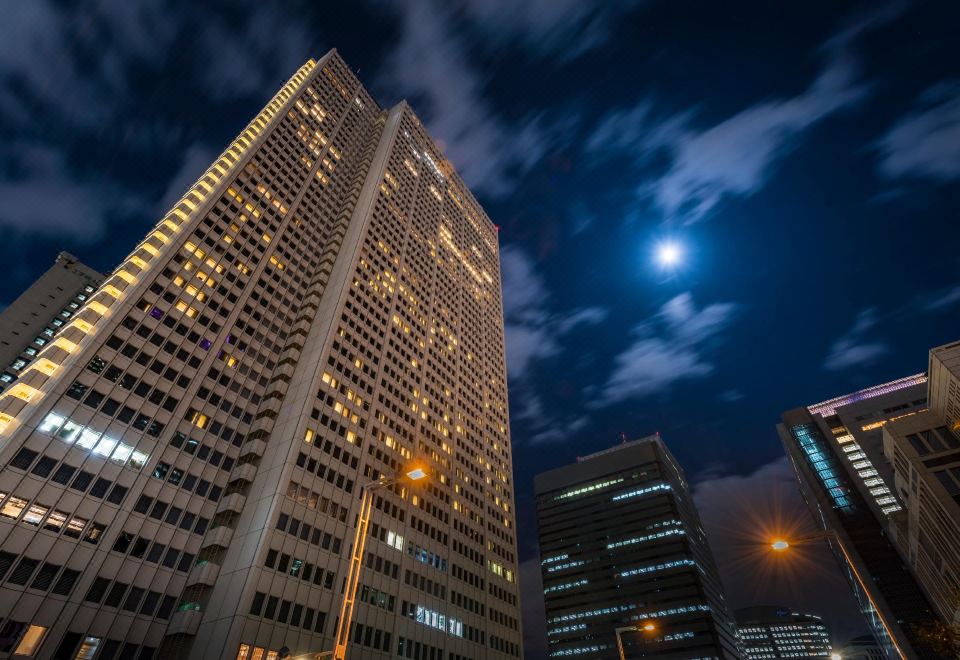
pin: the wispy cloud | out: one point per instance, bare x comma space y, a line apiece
430, 66
557, 27
926, 143
854, 348
533, 331
939, 300
737, 156
46, 198
666, 349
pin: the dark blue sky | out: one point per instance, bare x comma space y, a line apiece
806, 156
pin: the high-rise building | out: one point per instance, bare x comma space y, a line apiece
184, 461
625, 559
31, 321
924, 451
926, 460
836, 451
768, 632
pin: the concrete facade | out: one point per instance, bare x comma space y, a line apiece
32, 320
184, 462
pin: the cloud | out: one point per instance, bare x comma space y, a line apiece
563, 27
853, 349
532, 331
941, 299
926, 143
737, 156
666, 349
429, 65
45, 197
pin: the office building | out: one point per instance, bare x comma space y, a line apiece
623, 555
30, 322
778, 632
184, 461
924, 451
835, 448
926, 458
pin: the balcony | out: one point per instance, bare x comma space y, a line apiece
204, 572
218, 537
256, 447
233, 502
186, 620
245, 472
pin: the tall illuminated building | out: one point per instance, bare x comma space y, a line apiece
183, 462
836, 449
623, 553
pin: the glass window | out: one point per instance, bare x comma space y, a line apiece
69, 431
51, 423
105, 447
87, 649
88, 438
31, 640
138, 459
56, 521
35, 514
75, 527
13, 507
122, 453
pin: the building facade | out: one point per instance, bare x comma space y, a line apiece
777, 632
925, 455
835, 448
621, 547
32, 320
184, 461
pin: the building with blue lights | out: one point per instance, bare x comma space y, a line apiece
769, 633
836, 448
623, 555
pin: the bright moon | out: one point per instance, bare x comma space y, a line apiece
669, 254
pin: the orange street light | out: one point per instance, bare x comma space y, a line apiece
413, 473
779, 545
648, 627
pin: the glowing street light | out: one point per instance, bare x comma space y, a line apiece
413, 473
648, 627
779, 545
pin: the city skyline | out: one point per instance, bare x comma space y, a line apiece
802, 159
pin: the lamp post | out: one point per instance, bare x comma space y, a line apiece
782, 545
413, 473
648, 627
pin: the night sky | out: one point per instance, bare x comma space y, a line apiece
805, 156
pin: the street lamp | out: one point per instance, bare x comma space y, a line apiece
781, 545
649, 627
413, 473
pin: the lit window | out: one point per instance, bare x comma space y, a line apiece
30, 642
35, 514
244, 652
13, 507
88, 438
56, 521
51, 423
87, 649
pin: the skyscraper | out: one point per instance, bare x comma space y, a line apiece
184, 461
836, 451
623, 556
31, 321
778, 632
